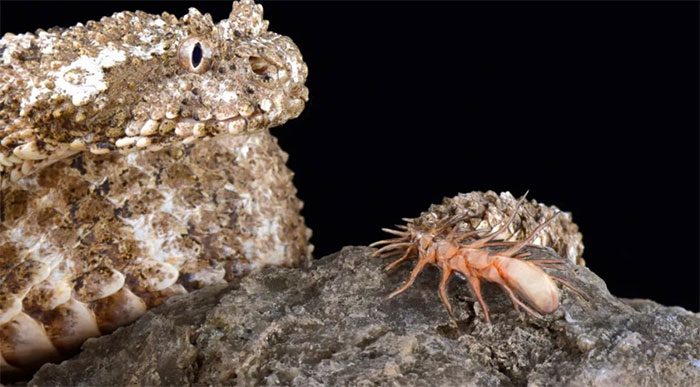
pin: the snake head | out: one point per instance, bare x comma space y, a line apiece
137, 81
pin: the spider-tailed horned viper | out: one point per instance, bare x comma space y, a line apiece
136, 165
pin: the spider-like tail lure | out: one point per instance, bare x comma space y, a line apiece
524, 280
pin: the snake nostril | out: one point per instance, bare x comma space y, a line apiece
259, 65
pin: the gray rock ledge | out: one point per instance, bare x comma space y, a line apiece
331, 324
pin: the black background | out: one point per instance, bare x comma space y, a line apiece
593, 107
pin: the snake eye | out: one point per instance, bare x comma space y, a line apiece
195, 55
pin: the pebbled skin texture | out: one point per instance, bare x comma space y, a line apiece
136, 164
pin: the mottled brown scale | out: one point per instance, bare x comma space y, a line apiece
121, 308
130, 174
14, 203
69, 324
97, 283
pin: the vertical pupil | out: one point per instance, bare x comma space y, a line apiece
196, 55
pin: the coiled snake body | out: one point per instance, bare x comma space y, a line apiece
136, 164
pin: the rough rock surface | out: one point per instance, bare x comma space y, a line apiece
331, 324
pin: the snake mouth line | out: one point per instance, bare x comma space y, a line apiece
151, 135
